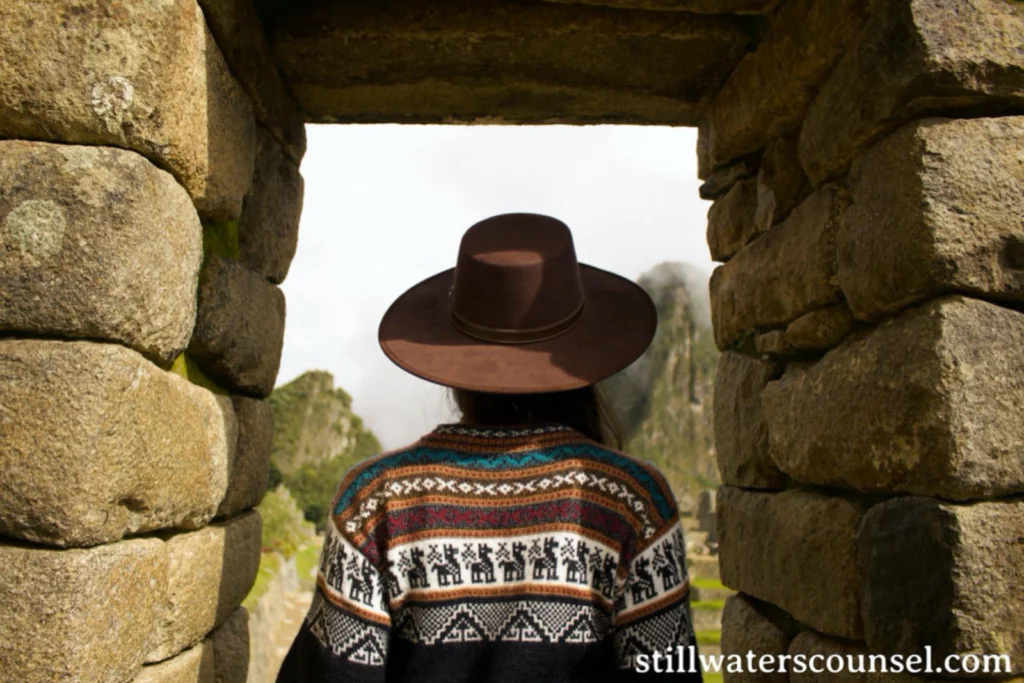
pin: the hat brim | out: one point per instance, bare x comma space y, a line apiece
617, 326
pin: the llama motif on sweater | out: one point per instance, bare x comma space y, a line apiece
496, 553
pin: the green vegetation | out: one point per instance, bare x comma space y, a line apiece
317, 438
284, 529
712, 677
664, 399
269, 564
305, 561
709, 637
221, 239
314, 485
716, 605
186, 367
706, 582
286, 534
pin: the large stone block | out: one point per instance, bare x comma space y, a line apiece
533, 62
781, 183
195, 665
936, 207
231, 648
241, 38
209, 573
752, 626
741, 434
145, 76
249, 468
78, 615
774, 343
269, 230
915, 58
720, 181
96, 243
821, 329
239, 329
731, 221
97, 442
797, 550
949, 576
702, 6
768, 93
786, 272
929, 404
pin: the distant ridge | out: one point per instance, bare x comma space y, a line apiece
664, 399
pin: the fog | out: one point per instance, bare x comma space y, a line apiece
385, 207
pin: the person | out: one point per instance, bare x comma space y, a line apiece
518, 545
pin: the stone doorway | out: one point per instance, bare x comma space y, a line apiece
865, 162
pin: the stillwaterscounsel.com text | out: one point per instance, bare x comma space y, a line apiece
686, 659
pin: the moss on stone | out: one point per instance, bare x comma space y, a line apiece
187, 367
221, 239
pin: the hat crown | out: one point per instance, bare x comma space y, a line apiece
517, 279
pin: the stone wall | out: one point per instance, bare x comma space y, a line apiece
149, 203
864, 158
866, 169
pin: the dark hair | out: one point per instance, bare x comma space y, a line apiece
586, 410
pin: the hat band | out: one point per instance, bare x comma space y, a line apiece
517, 336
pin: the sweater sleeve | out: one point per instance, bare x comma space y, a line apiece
653, 632
345, 634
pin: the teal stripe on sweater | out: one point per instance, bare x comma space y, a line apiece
489, 461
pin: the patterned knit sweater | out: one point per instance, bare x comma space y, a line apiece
496, 554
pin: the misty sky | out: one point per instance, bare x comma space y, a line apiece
385, 207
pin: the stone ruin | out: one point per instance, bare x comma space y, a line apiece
865, 159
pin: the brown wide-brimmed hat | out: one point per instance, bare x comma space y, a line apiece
518, 314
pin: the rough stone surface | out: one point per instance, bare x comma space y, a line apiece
797, 550
460, 60
78, 615
231, 648
944, 575
209, 573
781, 183
241, 38
249, 468
195, 665
97, 442
96, 243
731, 220
774, 343
821, 329
936, 207
239, 328
269, 230
702, 6
916, 58
146, 77
741, 434
927, 403
786, 272
769, 92
719, 182
747, 626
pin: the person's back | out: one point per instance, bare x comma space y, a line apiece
518, 544
496, 554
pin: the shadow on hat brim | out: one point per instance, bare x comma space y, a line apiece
617, 326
